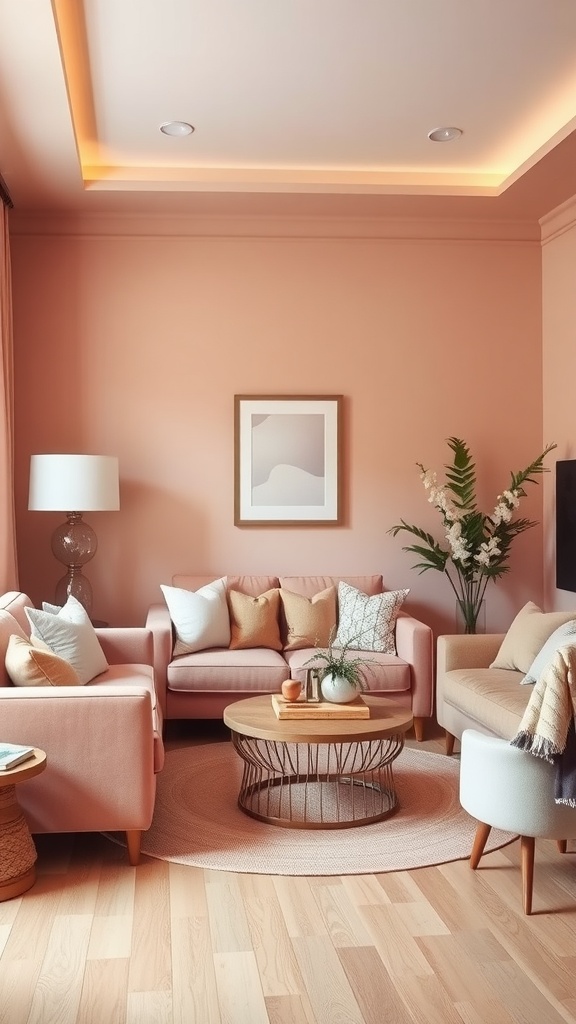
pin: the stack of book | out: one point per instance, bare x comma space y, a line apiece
12, 754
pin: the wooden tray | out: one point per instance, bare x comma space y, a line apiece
301, 709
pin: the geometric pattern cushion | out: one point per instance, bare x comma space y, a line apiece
368, 623
309, 620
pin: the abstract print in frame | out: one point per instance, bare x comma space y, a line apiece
287, 460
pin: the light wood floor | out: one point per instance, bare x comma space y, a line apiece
98, 942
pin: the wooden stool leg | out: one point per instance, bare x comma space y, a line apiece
480, 840
449, 739
527, 844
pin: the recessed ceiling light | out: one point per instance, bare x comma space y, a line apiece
444, 134
176, 128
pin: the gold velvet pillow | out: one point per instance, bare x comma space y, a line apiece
527, 635
309, 620
254, 620
31, 666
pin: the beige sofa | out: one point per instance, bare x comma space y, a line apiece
202, 684
103, 740
471, 694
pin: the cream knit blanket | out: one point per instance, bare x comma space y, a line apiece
547, 726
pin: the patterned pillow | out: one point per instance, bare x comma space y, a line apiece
309, 620
368, 623
254, 620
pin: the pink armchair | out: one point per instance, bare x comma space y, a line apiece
103, 740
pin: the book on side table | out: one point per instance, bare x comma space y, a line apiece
12, 754
301, 709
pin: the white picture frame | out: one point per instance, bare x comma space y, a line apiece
287, 460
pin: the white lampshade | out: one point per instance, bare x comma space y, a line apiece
74, 483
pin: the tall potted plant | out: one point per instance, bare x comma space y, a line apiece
476, 546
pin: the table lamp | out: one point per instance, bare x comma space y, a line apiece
74, 484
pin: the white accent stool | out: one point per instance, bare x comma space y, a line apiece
507, 788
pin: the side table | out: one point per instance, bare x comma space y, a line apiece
17, 850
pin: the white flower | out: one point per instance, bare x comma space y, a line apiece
458, 546
487, 551
428, 478
511, 498
441, 501
501, 514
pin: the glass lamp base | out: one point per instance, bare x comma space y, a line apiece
77, 584
74, 543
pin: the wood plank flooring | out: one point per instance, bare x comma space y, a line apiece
98, 942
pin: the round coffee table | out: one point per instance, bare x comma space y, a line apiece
327, 773
17, 850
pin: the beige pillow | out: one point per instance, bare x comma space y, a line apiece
30, 666
309, 620
254, 620
527, 635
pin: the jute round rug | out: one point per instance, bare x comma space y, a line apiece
197, 821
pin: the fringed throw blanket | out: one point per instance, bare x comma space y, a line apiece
547, 728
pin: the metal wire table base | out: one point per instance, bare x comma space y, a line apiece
318, 785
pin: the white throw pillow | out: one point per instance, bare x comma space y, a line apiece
368, 623
71, 636
200, 617
564, 636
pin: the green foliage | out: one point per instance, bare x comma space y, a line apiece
477, 546
337, 661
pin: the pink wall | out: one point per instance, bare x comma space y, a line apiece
559, 368
132, 339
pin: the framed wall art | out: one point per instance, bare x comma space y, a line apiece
287, 460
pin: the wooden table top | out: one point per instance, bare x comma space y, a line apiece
25, 770
256, 717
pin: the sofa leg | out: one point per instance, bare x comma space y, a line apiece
449, 740
419, 728
562, 845
133, 840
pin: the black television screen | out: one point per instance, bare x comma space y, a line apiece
566, 524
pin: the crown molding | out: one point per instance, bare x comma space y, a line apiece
558, 221
178, 226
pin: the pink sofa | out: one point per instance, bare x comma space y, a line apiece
202, 684
103, 740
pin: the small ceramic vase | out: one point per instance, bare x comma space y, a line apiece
338, 690
291, 689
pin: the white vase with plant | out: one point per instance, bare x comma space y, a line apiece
340, 674
476, 546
